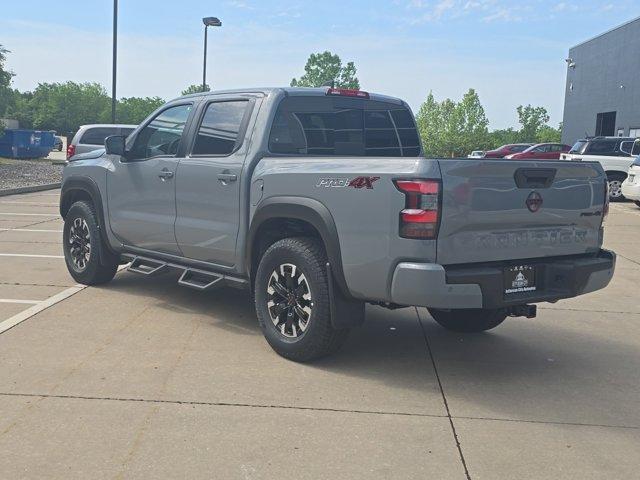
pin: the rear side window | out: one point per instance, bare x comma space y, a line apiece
626, 147
601, 147
96, 136
220, 127
327, 126
519, 148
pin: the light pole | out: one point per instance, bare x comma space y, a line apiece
115, 61
208, 22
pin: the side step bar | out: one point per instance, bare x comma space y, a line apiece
146, 266
200, 280
197, 279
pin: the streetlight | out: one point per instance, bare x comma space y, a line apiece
115, 61
208, 22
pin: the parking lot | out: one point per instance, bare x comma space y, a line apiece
144, 379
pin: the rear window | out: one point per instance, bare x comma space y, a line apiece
328, 126
578, 147
96, 136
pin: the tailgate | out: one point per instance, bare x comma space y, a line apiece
509, 210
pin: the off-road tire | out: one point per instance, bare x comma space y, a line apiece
94, 272
469, 321
320, 338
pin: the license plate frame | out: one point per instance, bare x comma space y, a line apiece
519, 279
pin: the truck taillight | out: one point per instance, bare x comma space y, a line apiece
71, 150
421, 215
347, 92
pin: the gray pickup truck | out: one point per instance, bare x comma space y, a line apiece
319, 201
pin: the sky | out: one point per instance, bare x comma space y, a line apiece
511, 52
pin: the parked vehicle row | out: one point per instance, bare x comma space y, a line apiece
320, 201
615, 154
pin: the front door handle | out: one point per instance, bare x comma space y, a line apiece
165, 174
226, 178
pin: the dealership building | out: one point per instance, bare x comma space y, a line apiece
602, 95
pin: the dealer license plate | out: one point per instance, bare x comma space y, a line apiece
519, 279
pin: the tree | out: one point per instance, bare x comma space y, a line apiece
474, 125
322, 68
134, 110
505, 136
532, 120
429, 126
65, 106
451, 129
196, 89
6, 93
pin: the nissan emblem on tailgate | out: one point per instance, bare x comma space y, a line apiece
534, 202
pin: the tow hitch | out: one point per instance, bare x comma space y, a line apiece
528, 311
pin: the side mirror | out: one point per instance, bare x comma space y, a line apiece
114, 145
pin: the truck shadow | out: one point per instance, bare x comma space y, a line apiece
545, 370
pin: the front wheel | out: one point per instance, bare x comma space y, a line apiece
292, 300
615, 181
469, 320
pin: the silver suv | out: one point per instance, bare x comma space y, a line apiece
91, 137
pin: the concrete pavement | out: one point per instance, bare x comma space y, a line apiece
143, 379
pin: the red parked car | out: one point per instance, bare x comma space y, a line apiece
505, 150
542, 151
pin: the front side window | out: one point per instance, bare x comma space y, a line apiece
97, 135
161, 137
220, 127
324, 126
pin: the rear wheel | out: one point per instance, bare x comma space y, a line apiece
292, 300
615, 186
469, 320
84, 248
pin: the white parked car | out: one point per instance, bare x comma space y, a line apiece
631, 186
615, 154
476, 154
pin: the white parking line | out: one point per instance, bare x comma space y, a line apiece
29, 255
39, 204
13, 300
29, 230
12, 214
31, 311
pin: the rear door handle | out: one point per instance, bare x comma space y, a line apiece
226, 178
165, 174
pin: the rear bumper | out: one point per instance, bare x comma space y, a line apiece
432, 285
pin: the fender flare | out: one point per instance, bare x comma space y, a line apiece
88, 186
312, 212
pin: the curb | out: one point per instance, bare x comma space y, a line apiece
31, 189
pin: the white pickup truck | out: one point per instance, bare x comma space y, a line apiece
615, 154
